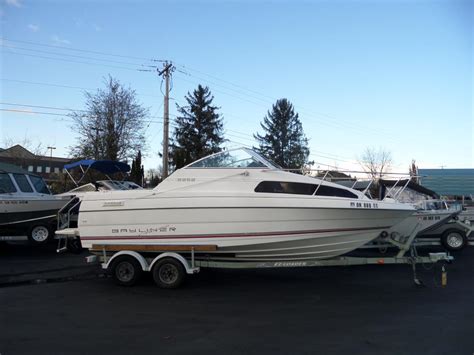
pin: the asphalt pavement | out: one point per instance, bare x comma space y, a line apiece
21, 262
373, 309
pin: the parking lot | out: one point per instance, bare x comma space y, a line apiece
361, 310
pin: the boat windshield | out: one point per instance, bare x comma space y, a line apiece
39, 185
239, 158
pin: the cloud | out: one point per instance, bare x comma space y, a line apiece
16, 3
97, 27
33, 28
59, 41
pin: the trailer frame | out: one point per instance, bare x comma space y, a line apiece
149, 257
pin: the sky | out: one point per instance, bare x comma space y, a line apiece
394, 75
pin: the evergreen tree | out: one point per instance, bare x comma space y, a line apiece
284, 141
137, 172
199, 130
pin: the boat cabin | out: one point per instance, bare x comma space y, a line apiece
245, 171
16, 181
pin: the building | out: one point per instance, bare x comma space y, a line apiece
449, 182
48, 167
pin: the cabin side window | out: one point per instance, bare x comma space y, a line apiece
334, 191
22, 183
6, 184
284, 187
298, 188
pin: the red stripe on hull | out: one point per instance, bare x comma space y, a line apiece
236, 235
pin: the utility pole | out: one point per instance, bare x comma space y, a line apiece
166, 73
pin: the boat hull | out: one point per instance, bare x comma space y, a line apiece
19, 215
246, 233
420, 222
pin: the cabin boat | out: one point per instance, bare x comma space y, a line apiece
28, 210
249, 208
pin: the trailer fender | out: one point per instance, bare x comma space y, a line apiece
134, 254
187, 267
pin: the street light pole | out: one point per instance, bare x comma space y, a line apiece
50, 157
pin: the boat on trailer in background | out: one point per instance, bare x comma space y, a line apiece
231, 209
106, 167
28, 210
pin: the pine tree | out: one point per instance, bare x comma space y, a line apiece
137, 171
284, 141
199, 130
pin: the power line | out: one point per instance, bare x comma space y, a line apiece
59, 85
326, 122
78, 50
336, 122
70, 61
251, 139
220, 91
55, 108
227, 82
45, 107
34, 112
75, 56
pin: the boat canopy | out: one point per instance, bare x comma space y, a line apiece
104, 166
241, 158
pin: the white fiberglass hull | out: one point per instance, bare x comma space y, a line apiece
421, 221
247, 229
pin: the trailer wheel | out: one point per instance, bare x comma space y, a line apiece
453, 239
126, 270
168, 273
39, 234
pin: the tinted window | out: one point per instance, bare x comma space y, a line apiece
23, 183
302, 189
286, 187
334, 191
39, 184
6, 184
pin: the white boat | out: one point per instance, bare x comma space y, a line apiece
106, 167
431, 211
243, 204
420, 222
27, 207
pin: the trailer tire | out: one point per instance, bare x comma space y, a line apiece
453, 240
126, 270
168, 273
39, 234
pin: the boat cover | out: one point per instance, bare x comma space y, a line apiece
104, 166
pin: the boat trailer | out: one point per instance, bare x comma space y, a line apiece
169, 264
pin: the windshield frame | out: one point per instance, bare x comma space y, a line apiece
267, 164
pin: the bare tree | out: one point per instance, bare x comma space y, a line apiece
153, 177
111, 126
413, 171
376, 162
37, 148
